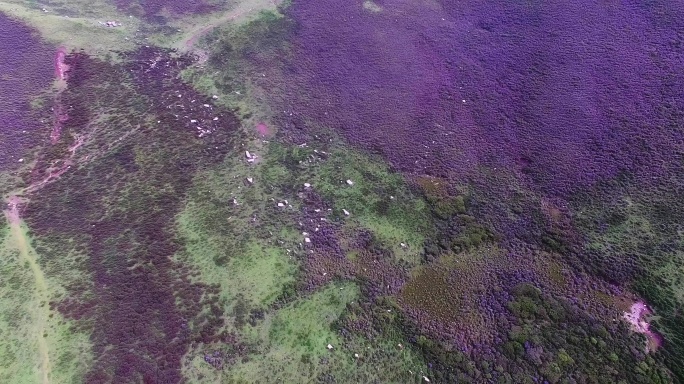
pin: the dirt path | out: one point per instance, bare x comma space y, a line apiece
244, 8
27, 255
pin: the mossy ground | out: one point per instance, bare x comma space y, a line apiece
291, 343
39, 345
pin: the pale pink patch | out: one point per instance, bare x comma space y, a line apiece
60, 67
636, 317
59, 117
53, 175
12, 211
264, 130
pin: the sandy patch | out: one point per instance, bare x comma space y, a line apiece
264, 130
636, 317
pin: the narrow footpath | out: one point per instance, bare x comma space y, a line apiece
27, 255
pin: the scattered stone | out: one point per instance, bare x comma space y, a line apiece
281, 205
307, 240
307, 185
214, 97
21, 160
330, 346
207, 106
346, 213
248, 155
250, 180
350, 182
426, 379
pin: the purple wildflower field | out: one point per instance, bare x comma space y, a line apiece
561, 95
25, 68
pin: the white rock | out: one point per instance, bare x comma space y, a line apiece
350, 182
214, 97
426, 379
21, 160
248, 155
193, 121
330, 346
250, 180
356, 355
307, 240
281, 205
307, 185
346, 213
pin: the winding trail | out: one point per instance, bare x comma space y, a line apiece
28, 255
243, 8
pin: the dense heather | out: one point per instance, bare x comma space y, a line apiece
25, 68
566, 94
116, 207
508, 98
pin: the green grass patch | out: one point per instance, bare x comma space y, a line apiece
77, 24
377, 200
291, 346
26, 321
241, 264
